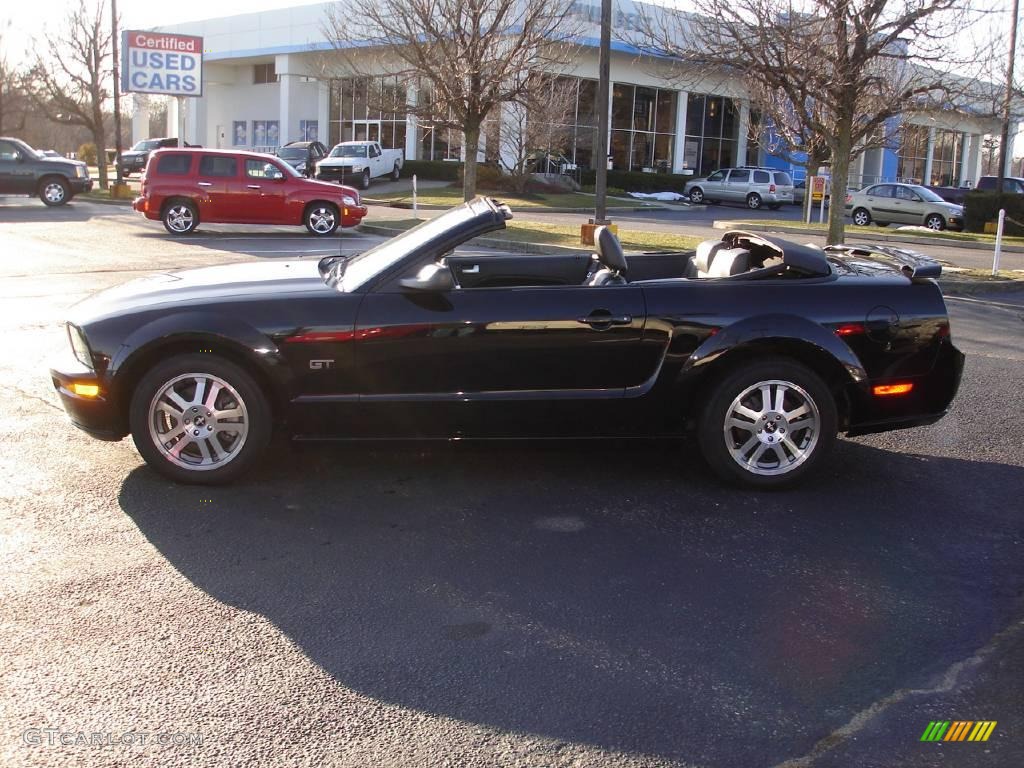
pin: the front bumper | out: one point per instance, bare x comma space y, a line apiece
351, 215
97, 416
80, 185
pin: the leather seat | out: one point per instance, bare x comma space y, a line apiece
715, 259
612, 258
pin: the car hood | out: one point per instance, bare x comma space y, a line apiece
335, 188
196, 288
63, 161
135, 152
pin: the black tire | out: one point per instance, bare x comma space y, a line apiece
935, 221
180, 217
741, 456
54, 191
364, 182
242, 394
881, 223
396, 172
322, 218
753, 201
696, 195
861, 217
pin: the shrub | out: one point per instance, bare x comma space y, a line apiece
980, 207
487, 177
635, 181
434, 170
87, 153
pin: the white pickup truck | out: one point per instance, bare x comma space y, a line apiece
354, 162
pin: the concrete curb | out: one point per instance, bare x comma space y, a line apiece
522, 211
955, 287
100, 200
868, 235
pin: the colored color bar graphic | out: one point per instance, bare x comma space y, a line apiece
958, 730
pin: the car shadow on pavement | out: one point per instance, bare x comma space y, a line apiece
605, 594
24, 210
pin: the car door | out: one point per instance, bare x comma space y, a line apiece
260, 193
881, 202
737, 185
508, 361
714, 185
910, 206
215, 182
16, 176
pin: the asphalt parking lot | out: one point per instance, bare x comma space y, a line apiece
514, 605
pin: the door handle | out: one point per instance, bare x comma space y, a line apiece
252, 186
205, 183
602, 318
471, 270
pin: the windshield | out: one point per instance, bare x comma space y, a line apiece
349, 150
145, 145
291, 153
363, 267
927, 194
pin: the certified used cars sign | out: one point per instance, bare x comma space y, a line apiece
154, 62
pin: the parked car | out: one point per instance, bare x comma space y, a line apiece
23, 171
183, 187
903, 204
359, 161
958, 195
413, 339
134, 160
752, 186
49, 153
302, 155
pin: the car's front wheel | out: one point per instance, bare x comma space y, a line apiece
935, 222
199, 419
396, 172
180, 217
767, 424
861, 217
322, 219
753, 201
696, 195
54, 191
364, 182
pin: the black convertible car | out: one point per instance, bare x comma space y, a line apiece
764, 348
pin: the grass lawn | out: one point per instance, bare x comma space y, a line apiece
453, 196
963, 237
569, 235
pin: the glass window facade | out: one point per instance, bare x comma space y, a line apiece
368, 109
643, 128
913, 156
946, 158
913, 153
712, 134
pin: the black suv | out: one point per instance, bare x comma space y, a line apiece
23, 171
134, 160
302, 155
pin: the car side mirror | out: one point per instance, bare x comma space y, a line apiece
433, 278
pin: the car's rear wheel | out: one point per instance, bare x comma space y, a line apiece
364, 182
767, 424
199, 419
322, 219
180, 217
395, 172
753, 201
54, 191
861, 217
696, 195
935, 221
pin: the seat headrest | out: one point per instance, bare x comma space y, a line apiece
705, 255
728, 262
609, 250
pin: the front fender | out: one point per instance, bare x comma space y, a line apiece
769, 328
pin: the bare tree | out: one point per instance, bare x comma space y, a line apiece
832, 75
539, 122
471, 55
73, 85
13, 104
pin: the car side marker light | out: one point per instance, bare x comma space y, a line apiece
885, 390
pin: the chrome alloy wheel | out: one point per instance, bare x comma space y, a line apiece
772, 427
180, 218
198, 421
322, 220
54, 192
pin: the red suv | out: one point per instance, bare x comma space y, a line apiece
183, 187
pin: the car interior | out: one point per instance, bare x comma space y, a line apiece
737, 256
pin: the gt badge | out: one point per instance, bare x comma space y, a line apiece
320, 365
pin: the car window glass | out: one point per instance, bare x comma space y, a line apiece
261, 169
760, 177
738, 175
717, 176
213, 165
882, 190
8, 151
783, 179
174, 165
374, 152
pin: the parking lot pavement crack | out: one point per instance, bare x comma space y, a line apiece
38, 399
946, 683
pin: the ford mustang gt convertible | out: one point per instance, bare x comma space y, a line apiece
763, 349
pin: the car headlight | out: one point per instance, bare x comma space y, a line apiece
356, 168
81, 172
79, 346
349, 200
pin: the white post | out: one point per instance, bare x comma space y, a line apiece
999, 241
808, 198
415, 209
824, 193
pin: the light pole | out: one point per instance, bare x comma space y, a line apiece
603, 86
1004, 151
117, 96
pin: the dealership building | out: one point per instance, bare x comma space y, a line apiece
262, 86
